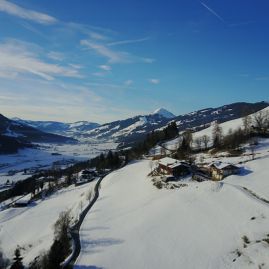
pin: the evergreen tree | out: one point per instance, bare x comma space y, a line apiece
17, 260
217, 135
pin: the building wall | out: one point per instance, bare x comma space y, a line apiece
220, 174
165, 169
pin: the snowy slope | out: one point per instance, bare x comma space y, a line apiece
225, 126
135, 225
131, 129
32, 228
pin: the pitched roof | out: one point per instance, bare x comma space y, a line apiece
221, 165
172, 163
167, 161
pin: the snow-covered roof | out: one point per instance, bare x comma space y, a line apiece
24, 200
167, 161
221, 165
170, 162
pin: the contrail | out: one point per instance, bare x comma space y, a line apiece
213, 12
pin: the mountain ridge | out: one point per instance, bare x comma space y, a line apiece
131, 130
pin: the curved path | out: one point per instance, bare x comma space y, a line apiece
249, 193
74, 232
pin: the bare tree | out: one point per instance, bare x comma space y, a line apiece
89, 195
205, 140
198, 142
188, 137
163, 151
252, 149
247, 124
151, 165
62, 224
261, 120
81, 206
201, 159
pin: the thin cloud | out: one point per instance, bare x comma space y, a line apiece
130, 41
102, 50
114, 56
76, 66
98, 74
262, 78
15, 10
97, 36
154, 81
57, 56
105, 67
241, 23
212, 12
148, 60
128, 82
17, 58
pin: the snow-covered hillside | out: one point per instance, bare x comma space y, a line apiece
131, 129
225, 127
31, 228
204, 225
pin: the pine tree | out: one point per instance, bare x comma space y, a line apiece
217, 135
17, 260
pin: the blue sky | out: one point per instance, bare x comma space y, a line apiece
104, 60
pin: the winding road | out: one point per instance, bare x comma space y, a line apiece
74, 231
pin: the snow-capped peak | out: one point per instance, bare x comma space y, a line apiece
165, 113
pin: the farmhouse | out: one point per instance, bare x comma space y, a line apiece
220, 170
85, 176
173, 167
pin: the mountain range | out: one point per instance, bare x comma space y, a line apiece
126, 132
15, 135
60, 128
133, 129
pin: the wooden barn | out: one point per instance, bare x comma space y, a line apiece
220, 170
173, 167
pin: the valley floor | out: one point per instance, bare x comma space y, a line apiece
204, 225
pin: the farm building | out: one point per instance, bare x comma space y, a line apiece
23, 201
220, 170
85, 176
173, 167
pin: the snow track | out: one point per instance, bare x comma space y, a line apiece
250, 193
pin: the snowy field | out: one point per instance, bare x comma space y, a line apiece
46, 155
32, 227
204, 225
